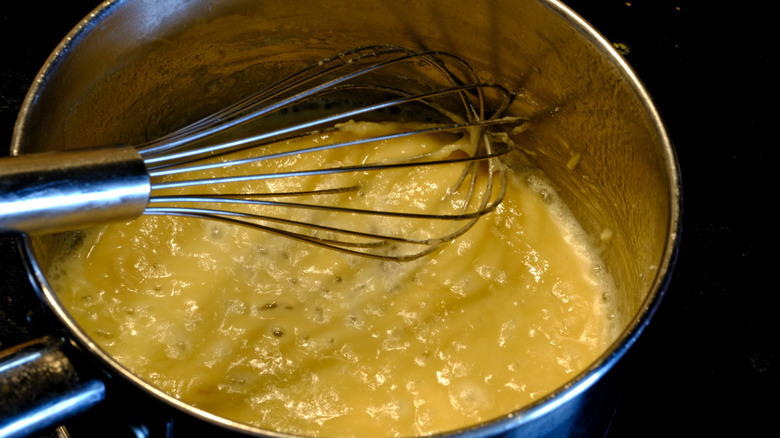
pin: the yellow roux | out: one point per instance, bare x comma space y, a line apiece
294, 338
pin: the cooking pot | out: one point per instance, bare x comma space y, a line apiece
133, 69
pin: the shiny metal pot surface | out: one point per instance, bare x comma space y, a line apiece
135, 68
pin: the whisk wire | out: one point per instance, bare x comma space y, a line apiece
157, 171
199, 148
257, 105
155, 162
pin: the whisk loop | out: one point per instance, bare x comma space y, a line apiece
233, 166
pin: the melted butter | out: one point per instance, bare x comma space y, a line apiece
294, 338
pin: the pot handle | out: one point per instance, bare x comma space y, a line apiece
40, 387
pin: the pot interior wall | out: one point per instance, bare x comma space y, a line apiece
143, 67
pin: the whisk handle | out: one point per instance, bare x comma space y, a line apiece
58, 191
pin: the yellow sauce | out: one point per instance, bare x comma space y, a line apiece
299, 339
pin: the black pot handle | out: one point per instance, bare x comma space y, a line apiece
40, 387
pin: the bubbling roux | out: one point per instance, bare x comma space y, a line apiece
298, 339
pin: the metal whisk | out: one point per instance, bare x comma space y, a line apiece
174, 175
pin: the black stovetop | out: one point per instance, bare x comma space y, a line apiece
708, 359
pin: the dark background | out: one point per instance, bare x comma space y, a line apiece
707, 364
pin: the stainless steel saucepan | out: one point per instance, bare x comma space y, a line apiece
134, 68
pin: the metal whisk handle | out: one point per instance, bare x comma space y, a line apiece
57, 191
